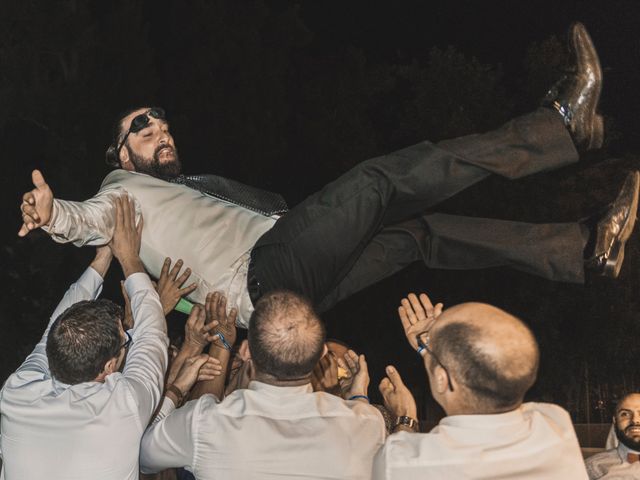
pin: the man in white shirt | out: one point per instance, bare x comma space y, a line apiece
277, 427
480, 362
67, 412
624, 460
355, 231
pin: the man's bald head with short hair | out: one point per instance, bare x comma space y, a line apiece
286, 337
490, 353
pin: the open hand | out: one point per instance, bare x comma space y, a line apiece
324, 377
197, 333
397, 397
37, 205
196, 368
169, 285
356, 365
216, 309
417, 316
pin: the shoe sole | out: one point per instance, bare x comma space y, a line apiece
616, 257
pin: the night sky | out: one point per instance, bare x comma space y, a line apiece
288, 95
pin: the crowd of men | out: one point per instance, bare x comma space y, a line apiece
105, 396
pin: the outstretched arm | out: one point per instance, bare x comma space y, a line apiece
84, 223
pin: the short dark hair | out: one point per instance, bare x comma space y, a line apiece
286, 337
456, 346
82, 339
111, 155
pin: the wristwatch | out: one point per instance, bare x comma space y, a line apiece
408, 422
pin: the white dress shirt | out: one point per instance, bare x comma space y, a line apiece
536, 441
266, 432
613, 465
213, 237
91, 430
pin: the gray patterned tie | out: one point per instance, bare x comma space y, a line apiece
261, 201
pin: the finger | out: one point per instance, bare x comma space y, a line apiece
38, 179
385, 386
119, 214
231, 318
30, 210
221, 307
351, 359
209, 327
362, 364
438, 310
394, 377
209, 304
411, 315
418, 308
187, 290
183, 278
23, 230
29, 198
404, 318
426, 303
165, 268
140, 225
194, 316
176, 268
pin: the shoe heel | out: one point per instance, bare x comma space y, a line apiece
614, 262
597, 129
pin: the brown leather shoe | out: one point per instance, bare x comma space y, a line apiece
575, 96
614, 229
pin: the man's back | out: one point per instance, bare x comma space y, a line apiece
56, 431
267, 431
536, 441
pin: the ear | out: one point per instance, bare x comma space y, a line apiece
109, 367
440, 379
125, 163
325, 350
243, 351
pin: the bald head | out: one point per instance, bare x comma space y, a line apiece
492, 354
286, 337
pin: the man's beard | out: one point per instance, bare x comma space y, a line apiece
626, 440
153, 166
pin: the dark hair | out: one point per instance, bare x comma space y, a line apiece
456, 346
82, 339
286, 337
111, 156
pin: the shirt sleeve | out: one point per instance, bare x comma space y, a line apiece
146, 361
88, 287
170, 441
86, 223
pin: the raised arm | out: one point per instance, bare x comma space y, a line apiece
84, 223
146, 361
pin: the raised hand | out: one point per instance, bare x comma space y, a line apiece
324, 377
397, 397
37, 205
216, 309
197, 333
125, 243
417, 315
198, 367
169, 285
356, 365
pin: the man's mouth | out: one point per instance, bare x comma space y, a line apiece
634, 430
163, 152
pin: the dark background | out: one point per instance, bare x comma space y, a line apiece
288, 95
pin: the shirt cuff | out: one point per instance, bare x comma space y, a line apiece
166, 408
136, 282
92, 281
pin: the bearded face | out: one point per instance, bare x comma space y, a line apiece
164, 162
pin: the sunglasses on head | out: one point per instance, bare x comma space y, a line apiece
139, 122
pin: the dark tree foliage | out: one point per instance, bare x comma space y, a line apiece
255, 94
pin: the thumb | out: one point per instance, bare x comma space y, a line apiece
362, 363
394, 377
38, 179
199, 360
